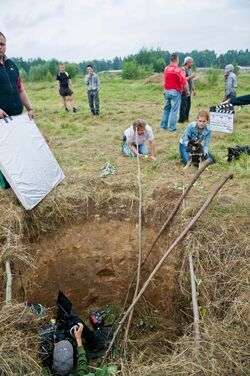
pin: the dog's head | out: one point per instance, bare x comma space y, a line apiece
231, 154
234, 153
194, 147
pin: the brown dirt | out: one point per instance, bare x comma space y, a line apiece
92, 263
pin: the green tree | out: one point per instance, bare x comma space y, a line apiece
159, 65
72, 69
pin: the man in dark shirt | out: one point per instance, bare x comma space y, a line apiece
13, 96
64, 85
186, 99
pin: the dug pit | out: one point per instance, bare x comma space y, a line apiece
92, 262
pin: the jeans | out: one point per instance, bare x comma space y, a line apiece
185, 154
172, 105
143, 149
93, 98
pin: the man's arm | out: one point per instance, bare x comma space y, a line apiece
133, 148
70, 83
152, 149
81, 365
26, 102
2, 113
98, 83
86, 79
228, 86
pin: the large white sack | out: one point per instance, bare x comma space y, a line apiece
26, 160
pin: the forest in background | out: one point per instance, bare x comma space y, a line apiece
143, 63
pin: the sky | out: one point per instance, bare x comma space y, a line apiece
77, 30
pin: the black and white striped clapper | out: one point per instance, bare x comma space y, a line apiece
226, 108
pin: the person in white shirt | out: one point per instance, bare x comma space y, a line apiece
135, 140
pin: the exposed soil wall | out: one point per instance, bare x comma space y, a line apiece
92, 263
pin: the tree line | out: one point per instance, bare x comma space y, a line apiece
141, 64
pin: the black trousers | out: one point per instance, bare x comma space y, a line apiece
93, 98
185, 107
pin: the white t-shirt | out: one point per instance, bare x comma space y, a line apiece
131, 135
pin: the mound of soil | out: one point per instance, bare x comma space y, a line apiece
155, 79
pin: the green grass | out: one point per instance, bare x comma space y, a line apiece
82, 142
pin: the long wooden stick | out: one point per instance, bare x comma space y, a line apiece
139, 262
216, 189
184, 194
197, 334
8, 298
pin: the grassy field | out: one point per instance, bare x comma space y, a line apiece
83, 143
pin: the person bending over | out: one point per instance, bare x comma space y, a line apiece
136, 137
199, 132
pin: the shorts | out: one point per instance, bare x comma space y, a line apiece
64, 91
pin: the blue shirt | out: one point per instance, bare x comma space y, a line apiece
192, 133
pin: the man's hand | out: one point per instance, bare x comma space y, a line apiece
193, 75
78, 334
2, 114
225, 101
31, 114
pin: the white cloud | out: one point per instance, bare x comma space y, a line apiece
76, 30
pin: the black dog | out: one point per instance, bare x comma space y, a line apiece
196, 153
234, 153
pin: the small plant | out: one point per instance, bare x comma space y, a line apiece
213, 76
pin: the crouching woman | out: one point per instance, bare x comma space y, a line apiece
199, 132
135, 140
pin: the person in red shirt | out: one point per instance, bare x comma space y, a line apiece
174, 83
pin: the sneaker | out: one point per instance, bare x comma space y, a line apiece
173, 130
163, 129
66, 109
74, 109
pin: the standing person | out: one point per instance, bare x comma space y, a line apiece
174, 82
64, 85
199, 132
230, 82
13, 96
136, 136
93, 84
186, 99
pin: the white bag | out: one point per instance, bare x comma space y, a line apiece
26, 160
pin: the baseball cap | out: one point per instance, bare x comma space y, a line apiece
63, 358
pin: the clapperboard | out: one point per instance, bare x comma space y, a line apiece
26, 160
222, 118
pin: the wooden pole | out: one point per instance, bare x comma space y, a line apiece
197, 334
8, 274
216, 189
139, 262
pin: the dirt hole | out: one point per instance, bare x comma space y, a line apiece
92, 262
